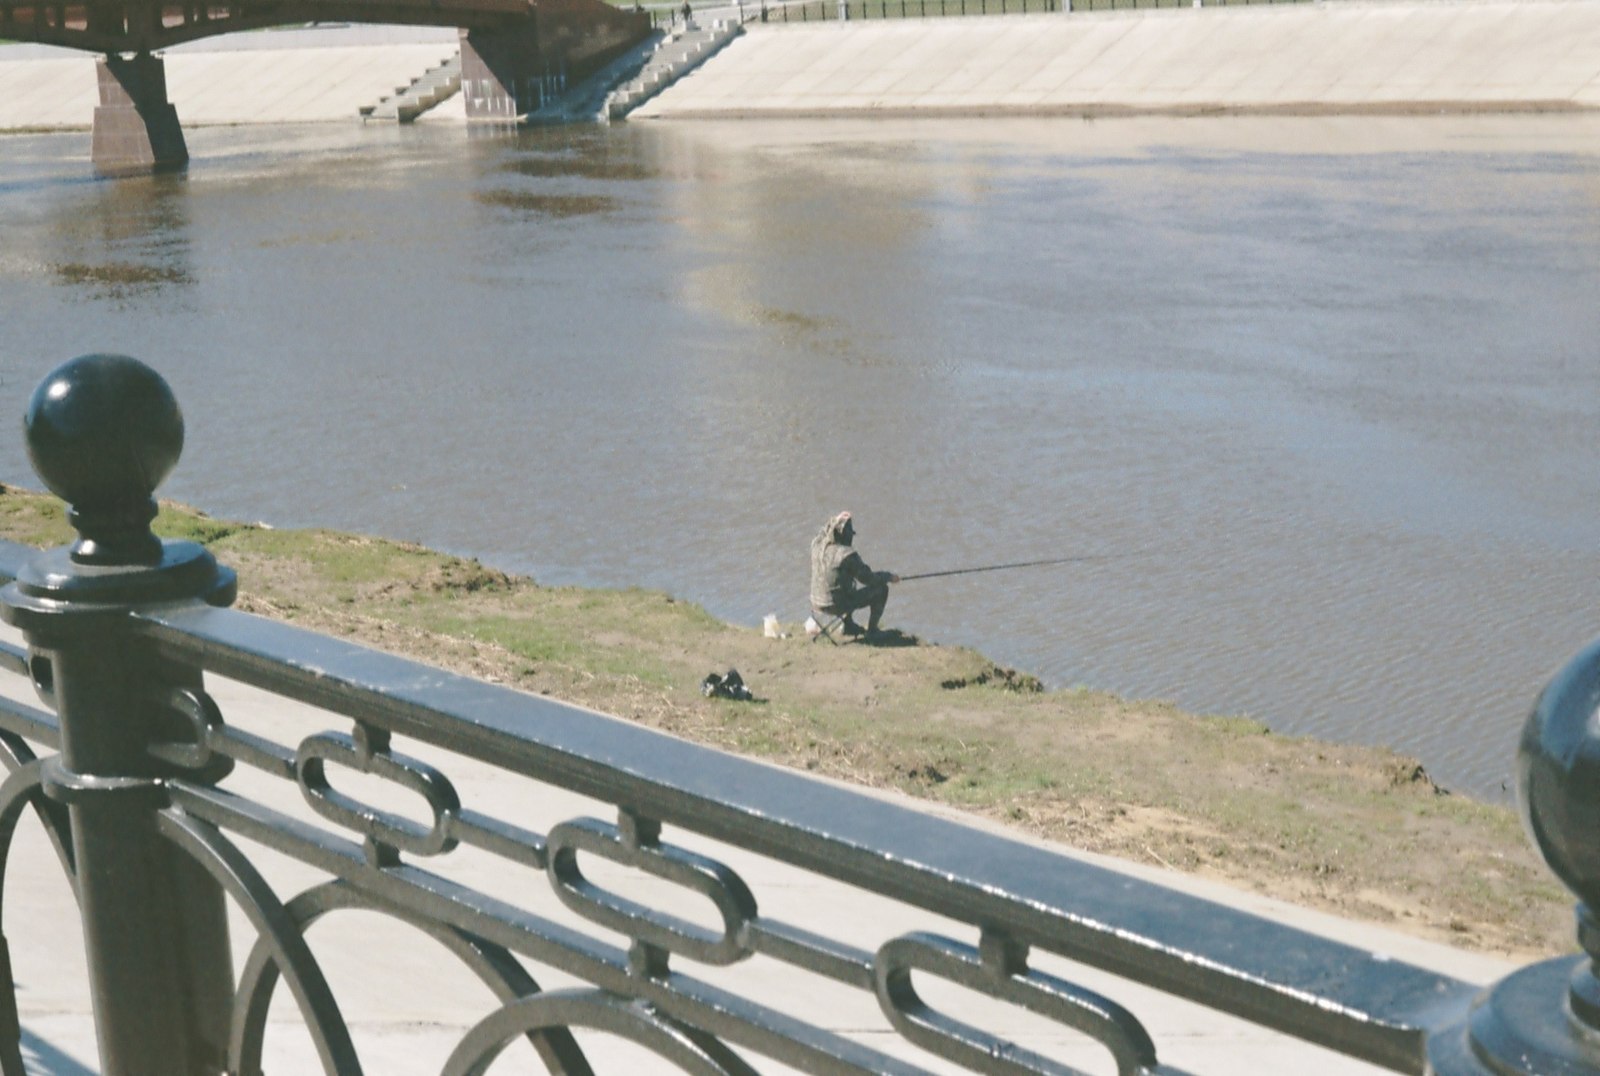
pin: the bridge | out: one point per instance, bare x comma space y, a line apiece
507, 48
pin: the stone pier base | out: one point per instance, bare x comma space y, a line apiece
511, 71
136, 128
502, 73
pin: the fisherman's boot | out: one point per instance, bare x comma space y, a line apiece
880, 601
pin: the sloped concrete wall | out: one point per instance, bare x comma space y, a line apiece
1336, 56
298, 82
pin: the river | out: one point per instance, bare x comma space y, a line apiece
1318, 396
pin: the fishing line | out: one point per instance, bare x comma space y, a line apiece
1017, 564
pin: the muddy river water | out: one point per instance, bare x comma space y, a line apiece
1321, 396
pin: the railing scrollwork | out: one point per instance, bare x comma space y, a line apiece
638, 845
999, 967
387, 833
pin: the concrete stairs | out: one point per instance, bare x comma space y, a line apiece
408, 102
675, 56
585, 101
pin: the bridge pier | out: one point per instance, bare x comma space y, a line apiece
503, 73
136, 128
509, 71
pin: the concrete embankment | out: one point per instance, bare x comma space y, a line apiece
1337, 56
1342, 56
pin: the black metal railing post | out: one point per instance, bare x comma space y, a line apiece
103, 431
1545, 1018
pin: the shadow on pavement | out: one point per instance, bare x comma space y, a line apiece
39, 1058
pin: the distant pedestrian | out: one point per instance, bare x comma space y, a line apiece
687, 12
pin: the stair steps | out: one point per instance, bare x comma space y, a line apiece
435, 85
673, 58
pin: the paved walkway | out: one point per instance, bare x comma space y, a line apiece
408, 1004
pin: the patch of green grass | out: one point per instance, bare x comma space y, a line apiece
338, 558
189, 526
33, 518
538, 642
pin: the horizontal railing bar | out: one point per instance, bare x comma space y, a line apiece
824, 956
14, 659
500, 838
430, 896
30, 723
252, 750
1358, 1002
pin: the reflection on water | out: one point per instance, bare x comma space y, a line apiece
120, 280
1326, 387
554, 205
600, 163
128, 242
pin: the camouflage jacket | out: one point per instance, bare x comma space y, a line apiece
836, 571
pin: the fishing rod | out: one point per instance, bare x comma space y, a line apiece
1018, 564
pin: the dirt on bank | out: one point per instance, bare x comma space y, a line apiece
1358, 831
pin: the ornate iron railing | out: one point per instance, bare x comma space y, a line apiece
135, 770
830, 10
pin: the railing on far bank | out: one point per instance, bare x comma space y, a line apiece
821, 10
856, 10
159, 802
784, 11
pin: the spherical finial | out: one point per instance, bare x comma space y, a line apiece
1558, 775
103, 431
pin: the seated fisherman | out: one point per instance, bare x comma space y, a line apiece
841, 582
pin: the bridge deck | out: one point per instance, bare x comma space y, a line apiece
141, 25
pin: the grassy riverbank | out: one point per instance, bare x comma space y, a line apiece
1358, 831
